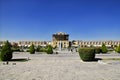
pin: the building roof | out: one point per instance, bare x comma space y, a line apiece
60, 33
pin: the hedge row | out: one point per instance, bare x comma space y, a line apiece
48, 49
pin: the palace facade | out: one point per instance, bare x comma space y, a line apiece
61, 39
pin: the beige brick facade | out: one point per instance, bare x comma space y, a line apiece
62, 39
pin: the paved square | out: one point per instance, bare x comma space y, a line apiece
59, 67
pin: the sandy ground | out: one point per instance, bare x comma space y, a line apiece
59, 67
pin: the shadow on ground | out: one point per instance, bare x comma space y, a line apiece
95, 60
20, 59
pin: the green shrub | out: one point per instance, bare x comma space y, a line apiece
16, 49
97, 50
104, 48
6, 52
43, 50
87, 54
38, 48
49, 49
32, 49
27, 50
118, 49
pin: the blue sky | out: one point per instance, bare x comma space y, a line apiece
39, 19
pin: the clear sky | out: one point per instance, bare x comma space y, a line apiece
39, 19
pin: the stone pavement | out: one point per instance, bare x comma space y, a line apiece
58, 67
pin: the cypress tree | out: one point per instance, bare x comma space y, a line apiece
118, 49
6, 52
104, 48
32, 49
49, 50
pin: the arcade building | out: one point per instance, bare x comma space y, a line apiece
61, 40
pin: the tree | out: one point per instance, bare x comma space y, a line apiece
49, 49
104, 48
32, 49
6, 52
118, 49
